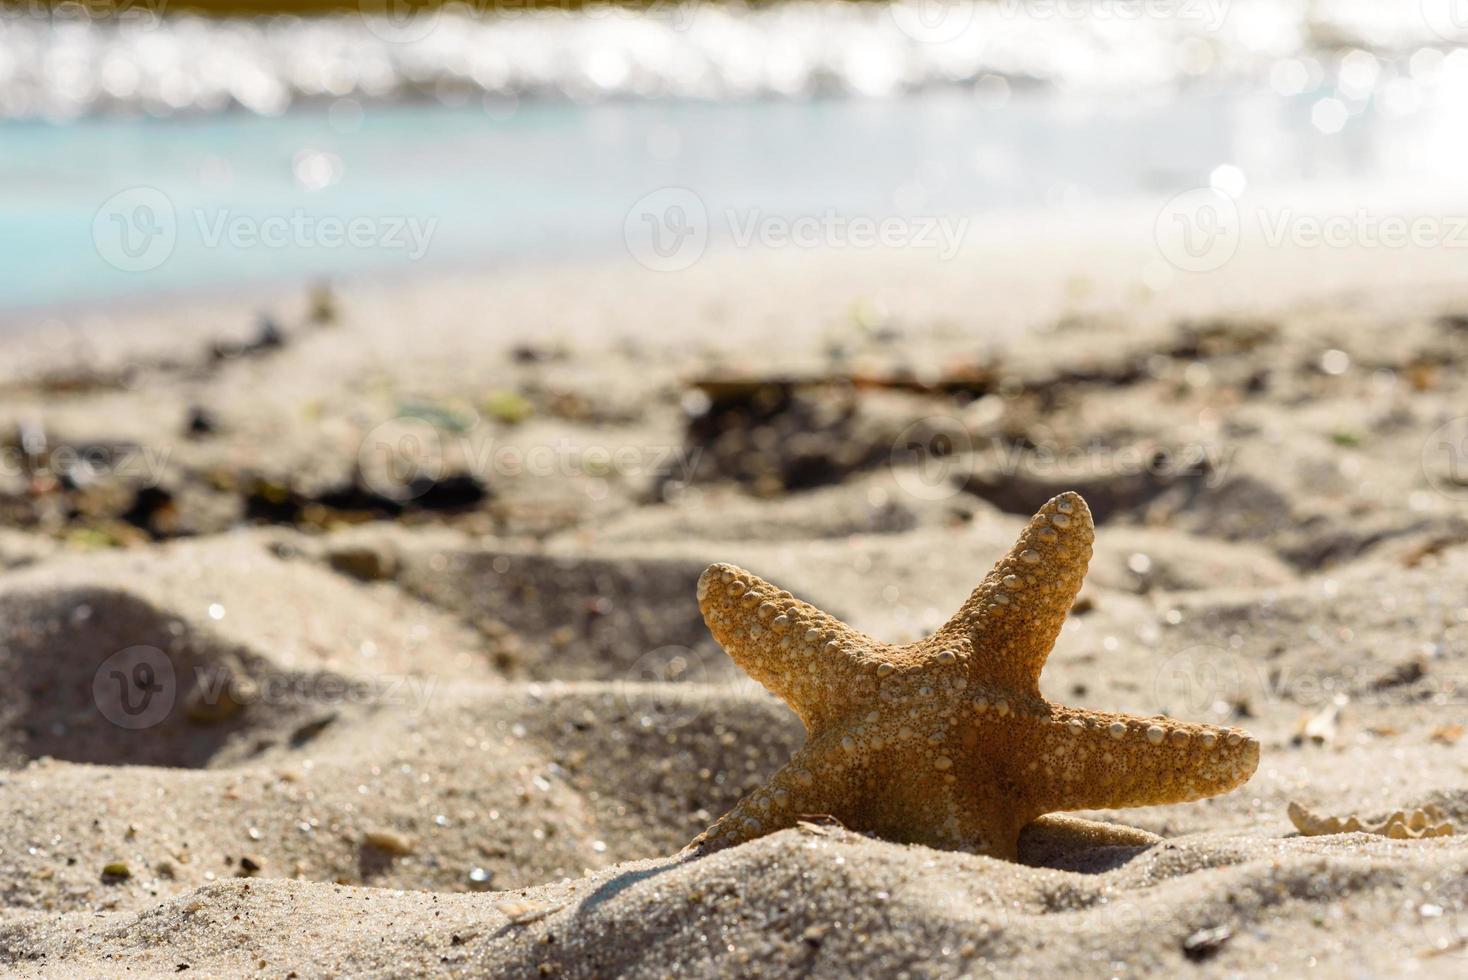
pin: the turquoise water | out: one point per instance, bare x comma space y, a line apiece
256, 199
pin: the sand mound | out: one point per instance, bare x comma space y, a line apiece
99, 675
817, 901
551, 616
260, 715
416, 786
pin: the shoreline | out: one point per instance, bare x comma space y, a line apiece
1035, 265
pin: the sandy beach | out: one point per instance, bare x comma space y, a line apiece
354, 632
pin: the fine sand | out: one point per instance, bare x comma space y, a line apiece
368, 644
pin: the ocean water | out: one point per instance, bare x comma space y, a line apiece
82, 58
142, 157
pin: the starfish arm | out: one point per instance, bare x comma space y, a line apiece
1006, 628
1084, 760
810, 660
807, 785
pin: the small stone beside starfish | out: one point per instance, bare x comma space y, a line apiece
947, 742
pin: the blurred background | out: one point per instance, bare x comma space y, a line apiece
151, 146
350, 348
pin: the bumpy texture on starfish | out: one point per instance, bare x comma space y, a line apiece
947, 741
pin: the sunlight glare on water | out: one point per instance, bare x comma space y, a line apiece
62, 66
542, 129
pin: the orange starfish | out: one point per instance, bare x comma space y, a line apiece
947, 741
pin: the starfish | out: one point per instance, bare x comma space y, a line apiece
947, 741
